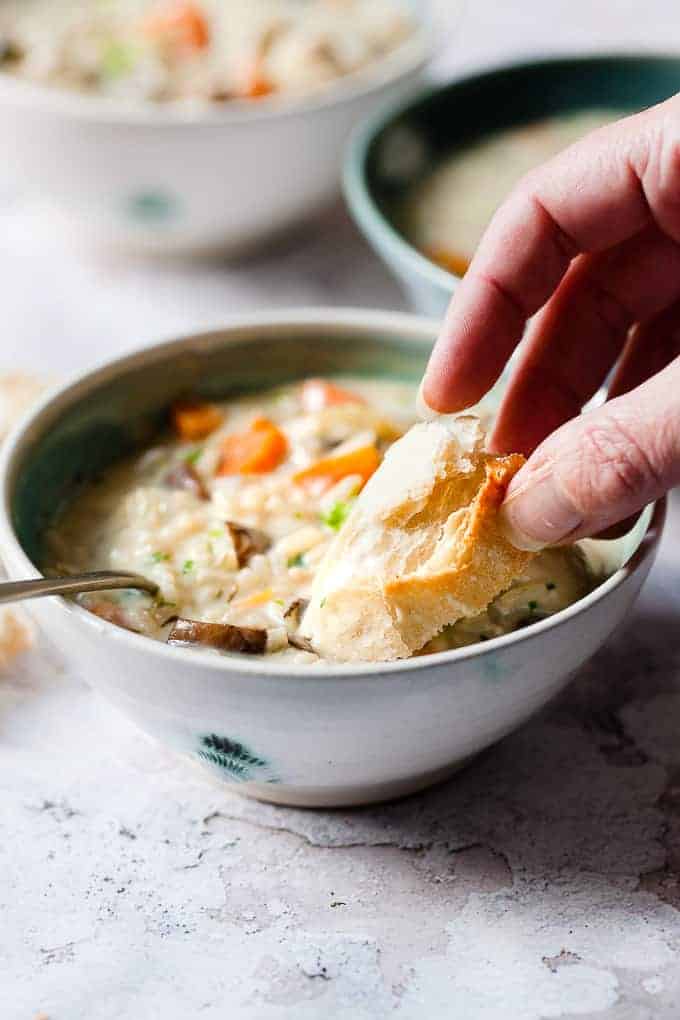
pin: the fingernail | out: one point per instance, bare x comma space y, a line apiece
539, 514
423, 409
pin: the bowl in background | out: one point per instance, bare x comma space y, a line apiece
398, 147
320, 735
164, 179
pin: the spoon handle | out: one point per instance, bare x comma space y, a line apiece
102, 580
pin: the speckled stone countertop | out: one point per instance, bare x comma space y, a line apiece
542, 882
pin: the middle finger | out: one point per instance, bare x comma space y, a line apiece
580, 333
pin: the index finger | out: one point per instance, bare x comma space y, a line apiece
593, 195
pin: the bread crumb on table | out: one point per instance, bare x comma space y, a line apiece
16, 636
17, 393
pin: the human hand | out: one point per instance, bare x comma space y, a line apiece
592, 238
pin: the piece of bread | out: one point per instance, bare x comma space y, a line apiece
422, 548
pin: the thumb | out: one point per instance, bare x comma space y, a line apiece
599, 468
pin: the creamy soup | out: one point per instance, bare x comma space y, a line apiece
205, 50
446, 214
232, 511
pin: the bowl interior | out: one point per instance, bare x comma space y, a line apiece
123, 406
396, 151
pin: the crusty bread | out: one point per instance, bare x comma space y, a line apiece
422, 548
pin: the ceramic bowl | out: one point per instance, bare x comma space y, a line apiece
312, 736
163, 180
389, 153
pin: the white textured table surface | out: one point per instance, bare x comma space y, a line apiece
543, 882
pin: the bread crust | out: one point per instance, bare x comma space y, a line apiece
423, 547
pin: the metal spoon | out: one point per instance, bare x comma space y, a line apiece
101, 580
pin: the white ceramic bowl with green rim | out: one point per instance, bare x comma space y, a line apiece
163, 179
322, 735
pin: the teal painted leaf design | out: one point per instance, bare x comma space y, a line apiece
152, 207
235, 758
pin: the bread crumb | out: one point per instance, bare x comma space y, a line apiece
16, 636
17, 393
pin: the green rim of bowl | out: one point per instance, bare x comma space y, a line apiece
376, 226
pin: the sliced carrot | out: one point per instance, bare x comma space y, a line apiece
456, 264
260, 598
181, 23
258, 87
260, 449
317, 394
362, 462
254, 82
195, 421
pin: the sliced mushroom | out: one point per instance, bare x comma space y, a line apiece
10, 51
296, 611
300, 642
185, 476
222, 636
248, 542
112, 613
293, 616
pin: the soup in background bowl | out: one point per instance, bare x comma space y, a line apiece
447, 212
197, 51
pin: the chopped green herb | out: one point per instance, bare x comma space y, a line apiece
160, 557
216, 533
533, 605
187, 566
550, 585
219, 594
322, 603
298, 515
337, 515
117, 59
279, 602
194, 456
297, 561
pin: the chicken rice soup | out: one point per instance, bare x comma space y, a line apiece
197, 50
232, 511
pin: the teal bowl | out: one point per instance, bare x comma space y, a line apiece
396, 149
